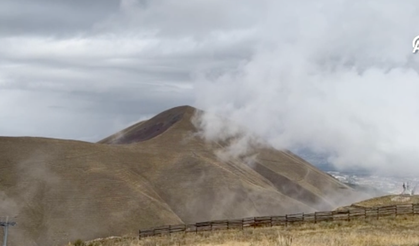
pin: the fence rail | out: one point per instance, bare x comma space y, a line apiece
285, 220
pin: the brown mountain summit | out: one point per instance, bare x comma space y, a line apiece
153, 173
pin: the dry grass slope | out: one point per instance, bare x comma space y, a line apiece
400, 231
388, 201
154, 173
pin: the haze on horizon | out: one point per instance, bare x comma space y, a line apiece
336, 77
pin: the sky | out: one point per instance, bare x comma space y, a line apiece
335, 76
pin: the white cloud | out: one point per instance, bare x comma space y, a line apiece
339, 78
336, 76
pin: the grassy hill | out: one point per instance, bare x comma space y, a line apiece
380, 201
399, 231
390, 230
387, 200
153, 173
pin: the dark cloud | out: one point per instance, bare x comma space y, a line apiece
189, 18
103, 79
52, 17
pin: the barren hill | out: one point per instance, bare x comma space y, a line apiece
153, 173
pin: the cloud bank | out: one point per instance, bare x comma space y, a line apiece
336, 77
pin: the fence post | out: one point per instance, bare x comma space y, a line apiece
387, 211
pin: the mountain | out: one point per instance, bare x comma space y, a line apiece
153, 173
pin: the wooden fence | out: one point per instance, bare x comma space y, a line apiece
289, 219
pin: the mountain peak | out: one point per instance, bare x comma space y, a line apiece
145, 130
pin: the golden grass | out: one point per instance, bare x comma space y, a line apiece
388, 201
76, 189
403, 230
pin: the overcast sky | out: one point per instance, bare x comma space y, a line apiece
337, 76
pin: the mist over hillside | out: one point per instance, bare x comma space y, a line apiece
295, 106
156, 172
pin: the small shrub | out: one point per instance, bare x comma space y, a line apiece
79, 242
93, 244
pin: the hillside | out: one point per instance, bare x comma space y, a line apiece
388, 201
153, 173
389, 231
387, 220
